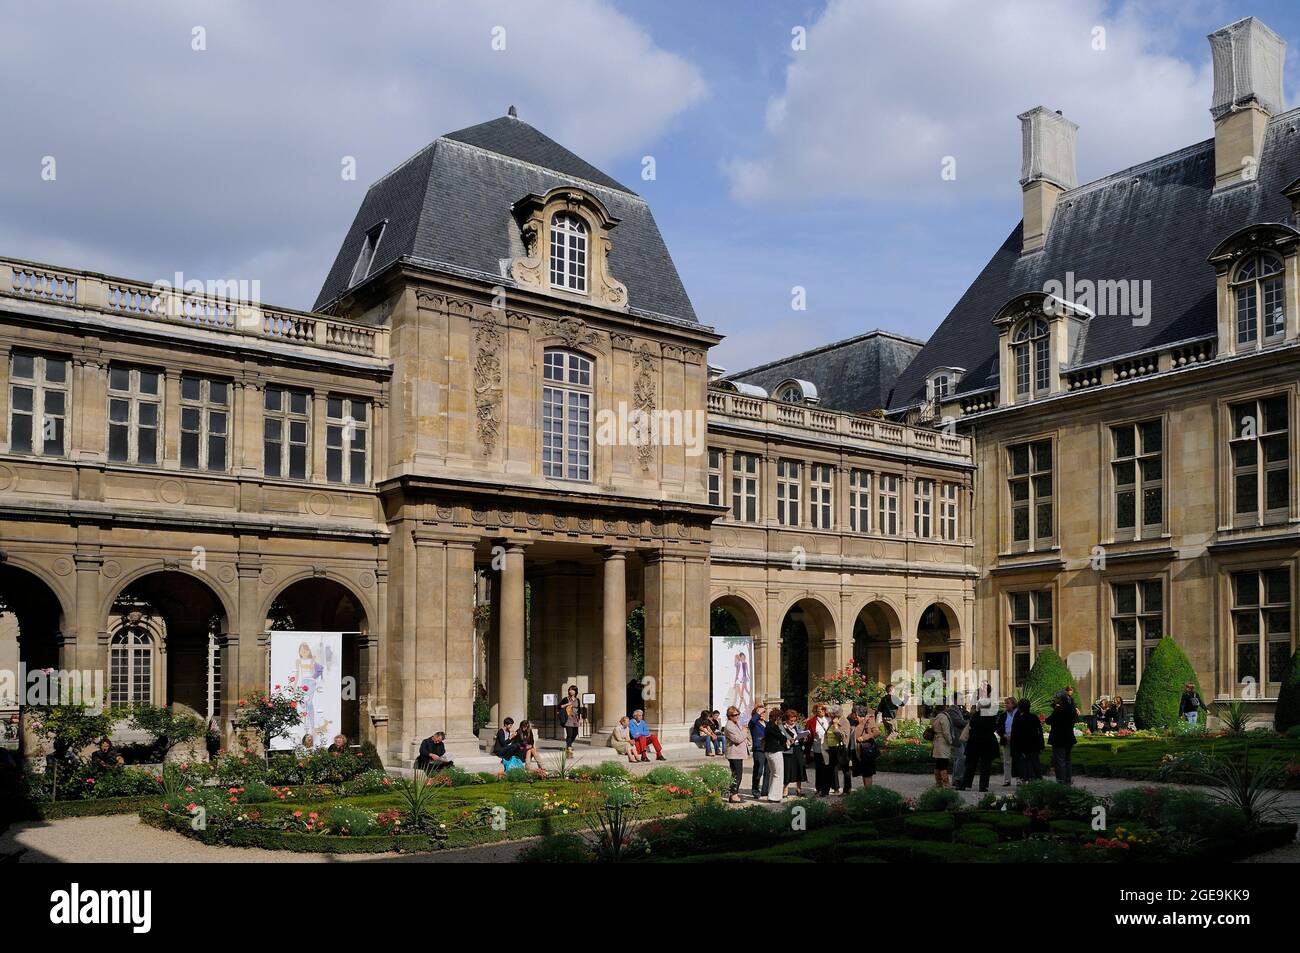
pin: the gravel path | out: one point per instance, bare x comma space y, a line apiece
123, 839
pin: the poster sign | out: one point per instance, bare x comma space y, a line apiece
548, 701
310, 666
732, 668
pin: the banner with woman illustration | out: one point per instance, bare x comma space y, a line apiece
732, 668
309, 666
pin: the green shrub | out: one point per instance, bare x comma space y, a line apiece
939, 799
558, 849
519, 776
1161, 688
1293, 731
714, 777
524, 804
930, 826
1287, 716
977, 835
664, 775
1060, 799
1049, 675
374, 781
1043, 849
610, 769
343, 819
874, 802
1011, 826
257, 792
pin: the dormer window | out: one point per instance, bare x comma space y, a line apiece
791, 394
795, 391
1033, 367
941, 383
568, 253
366, 257
1257, 287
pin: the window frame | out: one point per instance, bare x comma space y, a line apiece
1257, 288
1260, 467
1034, 500
789, 492
42, 388
889, 491
1031, 359
1142, 643
923, 525
1141, 483
210, 412
949, 511
821, 496
569, 238
860, 508
1260, 610
135, 398
346, 426
369, 248
568, 406
286, 417
745, 483
1033, 623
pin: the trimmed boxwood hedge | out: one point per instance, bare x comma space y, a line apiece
91, 807
1161, 688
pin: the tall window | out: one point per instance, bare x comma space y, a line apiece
788, 477
568, 253
38, 404
1031, 629
1257, 288
134, 409
205, 416
130, 666
1261, 465
949, 508
887, 521
744, 487
821, 493
715, 477
1029, 347
923, 509
566, 416
1030, 487
1138, 469
1261, 623
286, 426
860, 501
1138, 622
346, 426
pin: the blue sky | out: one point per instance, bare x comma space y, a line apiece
775, 167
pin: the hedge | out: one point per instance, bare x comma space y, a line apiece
1048, 676
1288, 696
1161, 688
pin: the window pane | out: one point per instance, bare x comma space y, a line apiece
1248, 661
1124, 441
119, 378
149, 382
1126, 599
191, 387
117, 442
24, 366
20, 433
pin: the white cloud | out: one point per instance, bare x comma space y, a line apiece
229, 158
885, 91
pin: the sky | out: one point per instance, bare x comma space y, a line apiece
800, 148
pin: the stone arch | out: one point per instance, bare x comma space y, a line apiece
320, 603
743, 609
33, 614
807, 653
184, 617
227, 600
365, 609
875, 625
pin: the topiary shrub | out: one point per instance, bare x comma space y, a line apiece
1048, 676
874, 802
714, 777
1287, 716
939, 799
558, 849
665, 775
350, 821
1161, 689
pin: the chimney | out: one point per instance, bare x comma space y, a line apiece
1248, 59
1046, 169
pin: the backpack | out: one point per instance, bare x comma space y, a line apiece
928, 734
831, 739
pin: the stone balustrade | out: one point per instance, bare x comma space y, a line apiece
119, 296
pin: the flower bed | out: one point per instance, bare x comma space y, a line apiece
454, 809
1041, 822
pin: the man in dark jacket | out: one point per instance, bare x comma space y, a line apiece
433, 753
1061, 736
757, 732
1026, 742
1189, 708
981, 746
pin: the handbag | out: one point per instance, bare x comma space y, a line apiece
511, 764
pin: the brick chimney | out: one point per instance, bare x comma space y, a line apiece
1047, 169
1248, 59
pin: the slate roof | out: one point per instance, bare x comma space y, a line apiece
448, 207
1158, 221
856, 374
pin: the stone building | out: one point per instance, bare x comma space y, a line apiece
1127, 364
492, 438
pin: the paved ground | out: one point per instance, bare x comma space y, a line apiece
123, 839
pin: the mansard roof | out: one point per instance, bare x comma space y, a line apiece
448, 207
1158, 222
855, 374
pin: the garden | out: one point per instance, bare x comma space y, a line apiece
1041, 822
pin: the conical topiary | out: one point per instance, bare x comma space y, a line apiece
1048, 676
1288, 696
1161, 689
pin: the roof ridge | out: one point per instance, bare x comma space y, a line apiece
542, 168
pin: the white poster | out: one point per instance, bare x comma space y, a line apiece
309, 665
733, 674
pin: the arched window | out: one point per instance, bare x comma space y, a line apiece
130, 663
1032, 364
566, 415
568, 253
1257, 287
790, 394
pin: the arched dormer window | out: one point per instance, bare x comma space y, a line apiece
794, 391
1258, 298
568, 252
567, 392
790, 394
941, 383
1031, 356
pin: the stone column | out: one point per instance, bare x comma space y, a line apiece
613, 684
512, 693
